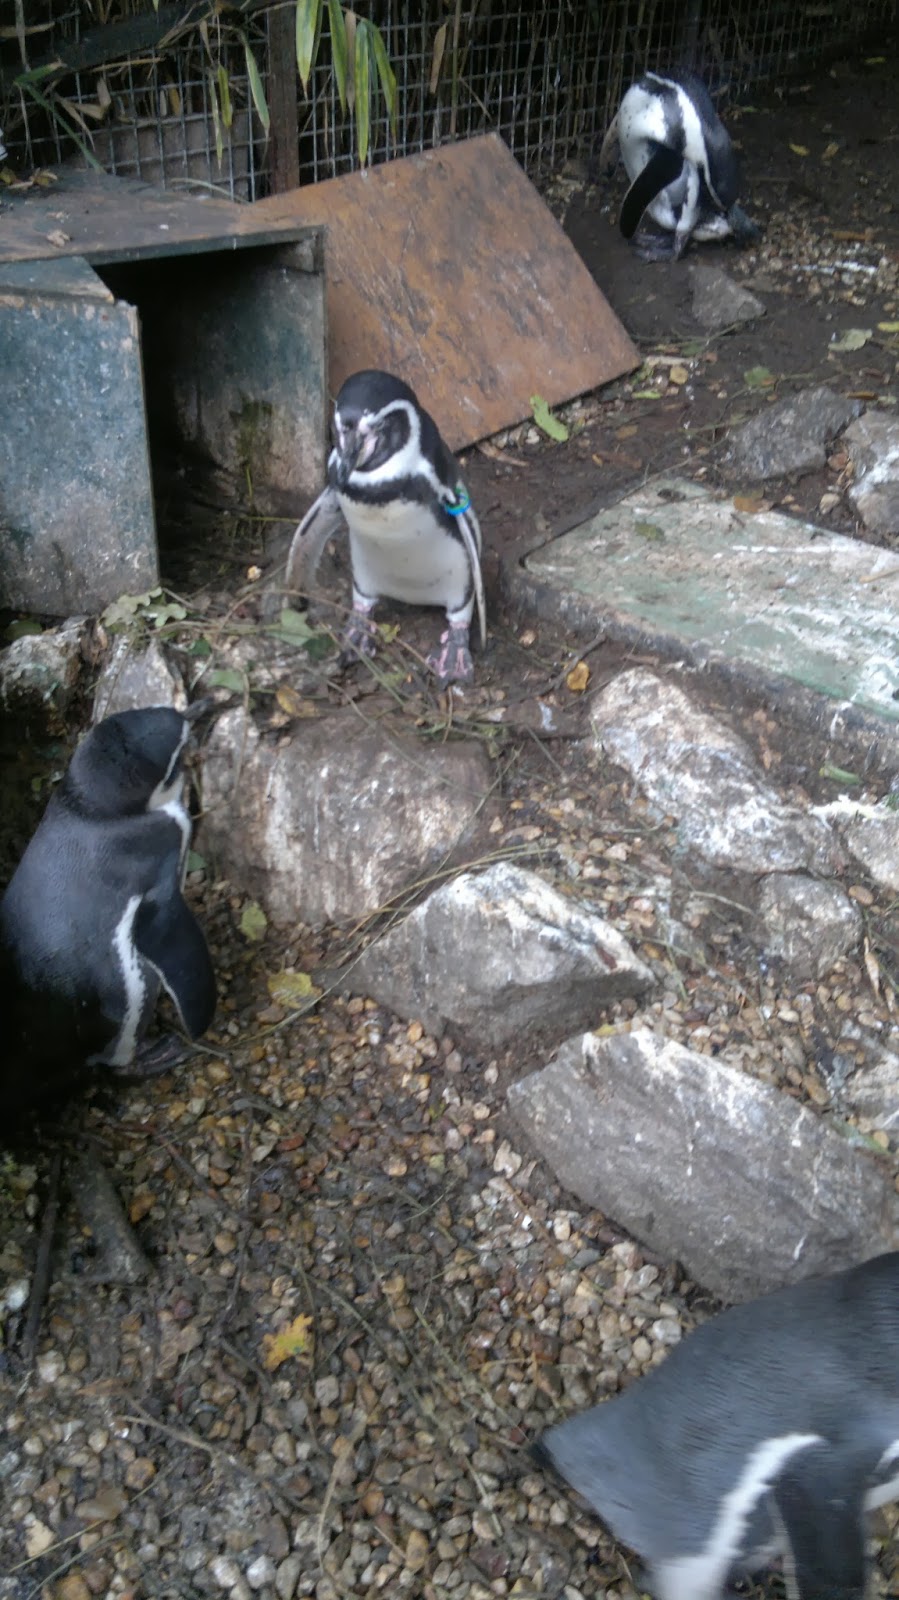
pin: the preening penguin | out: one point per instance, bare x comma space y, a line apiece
413, 533
769, 1431
681, 164
93, 922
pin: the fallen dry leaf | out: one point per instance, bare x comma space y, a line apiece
293, 703
294, 1340
578, 678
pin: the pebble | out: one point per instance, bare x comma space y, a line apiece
73, 1587
225, 1572
288, 1576
260, 1572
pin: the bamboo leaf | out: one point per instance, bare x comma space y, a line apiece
437, 57
308, 24
385, 73
362, 76
256, 88
28, 84
216, 119
350, 21
224, 95
339, 50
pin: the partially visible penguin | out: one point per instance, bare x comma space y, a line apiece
769, 1432
682, 167
94, 923
413, 533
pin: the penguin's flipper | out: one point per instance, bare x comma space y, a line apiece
168, 936
662, 168
820, 1500
607, 160
322, 520
469, 531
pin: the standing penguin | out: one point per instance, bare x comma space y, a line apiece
681, 164
413, 533
93, 921
769, 1431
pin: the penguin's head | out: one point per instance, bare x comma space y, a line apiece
374, 417
129, 763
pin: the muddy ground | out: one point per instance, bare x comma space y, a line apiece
349, 1170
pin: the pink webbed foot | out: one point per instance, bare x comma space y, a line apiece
360, 638
452, 663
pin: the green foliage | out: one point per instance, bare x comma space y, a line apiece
359, 62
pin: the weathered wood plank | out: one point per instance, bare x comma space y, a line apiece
449, 270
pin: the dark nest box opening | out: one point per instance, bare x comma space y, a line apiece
162, 327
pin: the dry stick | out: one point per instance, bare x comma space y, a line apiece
40, 1282
352, 1438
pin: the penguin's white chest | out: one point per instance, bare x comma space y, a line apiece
400, 551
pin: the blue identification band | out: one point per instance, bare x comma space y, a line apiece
463, 503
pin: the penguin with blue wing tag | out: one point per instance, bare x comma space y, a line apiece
768, 1433
682, 166
93, 923
413, 533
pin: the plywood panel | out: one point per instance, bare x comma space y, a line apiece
106, 219
449, 270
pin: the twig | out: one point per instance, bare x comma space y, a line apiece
40, 1282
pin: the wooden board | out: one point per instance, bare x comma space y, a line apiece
448, 270
108, 220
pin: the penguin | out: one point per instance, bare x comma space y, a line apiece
681, 165
413, 533
93, 922
768, 1432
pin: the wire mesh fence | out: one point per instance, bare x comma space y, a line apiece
178, 109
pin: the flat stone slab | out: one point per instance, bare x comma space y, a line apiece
786, 606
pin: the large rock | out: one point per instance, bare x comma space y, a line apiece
694, 768
869, 833
870, 1090
719, 302
789, 437
806, 924
136, 676
499, 953
335, 820
873, 443
704, 1165
42, 671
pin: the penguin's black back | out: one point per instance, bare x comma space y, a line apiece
724, 168
821, 1357
121, 762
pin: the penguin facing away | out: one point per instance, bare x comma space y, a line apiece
682, 166
769, 1432
93, 922
413, 533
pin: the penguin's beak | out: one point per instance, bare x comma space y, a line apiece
347, 457
356, 446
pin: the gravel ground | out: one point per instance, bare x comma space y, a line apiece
352, 1184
